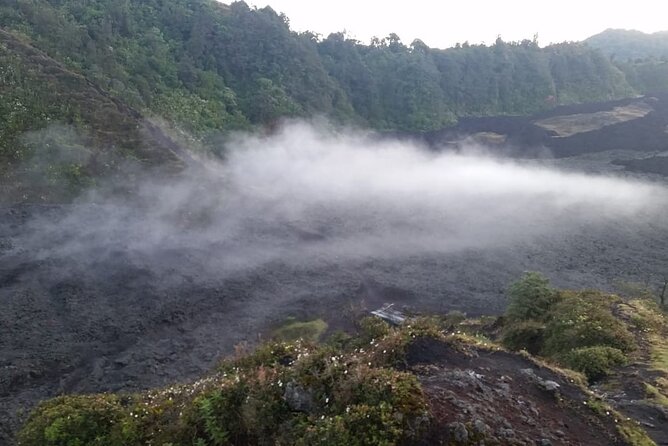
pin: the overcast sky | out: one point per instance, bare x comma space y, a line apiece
443, 23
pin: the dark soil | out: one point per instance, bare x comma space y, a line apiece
646, 135
125, 320
499, 396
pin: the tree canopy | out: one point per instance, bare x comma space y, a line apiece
209, 67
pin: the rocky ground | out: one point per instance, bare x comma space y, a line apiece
84, 325
112, 320
504, 396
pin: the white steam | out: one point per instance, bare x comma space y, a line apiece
306, 195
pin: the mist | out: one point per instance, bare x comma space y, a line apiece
308, 195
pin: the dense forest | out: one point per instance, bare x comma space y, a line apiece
624, 45
642, 57
207, 66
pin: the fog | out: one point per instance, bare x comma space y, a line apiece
144, 282
308, 195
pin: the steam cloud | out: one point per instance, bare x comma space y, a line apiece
307, 195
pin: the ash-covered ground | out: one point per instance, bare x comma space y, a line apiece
117, 293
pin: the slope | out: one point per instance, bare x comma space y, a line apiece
61, 133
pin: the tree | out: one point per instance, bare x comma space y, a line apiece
530, 298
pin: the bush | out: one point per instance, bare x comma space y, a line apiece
525, 335
283, 393
454, 318
79, 421
585, 319
594, 362
372, 327
360, 425
530, 298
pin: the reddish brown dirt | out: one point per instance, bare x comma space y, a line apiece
501, 396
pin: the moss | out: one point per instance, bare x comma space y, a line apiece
662, 384
294, 330
644, 314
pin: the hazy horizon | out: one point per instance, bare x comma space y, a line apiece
442, 25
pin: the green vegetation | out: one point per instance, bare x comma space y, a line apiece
625, 45
282, 393
634, 434
210, 67
646, 316
530, 298
293, 330
594, 362
629, 429
576, 329
656, 395
354, 390
58, 132
642, 57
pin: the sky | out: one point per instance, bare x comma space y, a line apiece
441, 24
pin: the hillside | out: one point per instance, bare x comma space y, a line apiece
634, 128
436, 380
59, 133
642, 57
624, 45
210, 67
187, 188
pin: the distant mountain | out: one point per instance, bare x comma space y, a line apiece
642, 57
623, 45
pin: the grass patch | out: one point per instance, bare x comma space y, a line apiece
655, 395
659, 353
293, 330
630, 430
634, 434
647, 317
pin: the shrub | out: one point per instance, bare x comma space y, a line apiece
79, 421
594, 362
525, 335
218, 417
585, 319
372, 327
530, 298
454, 318
349, 398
